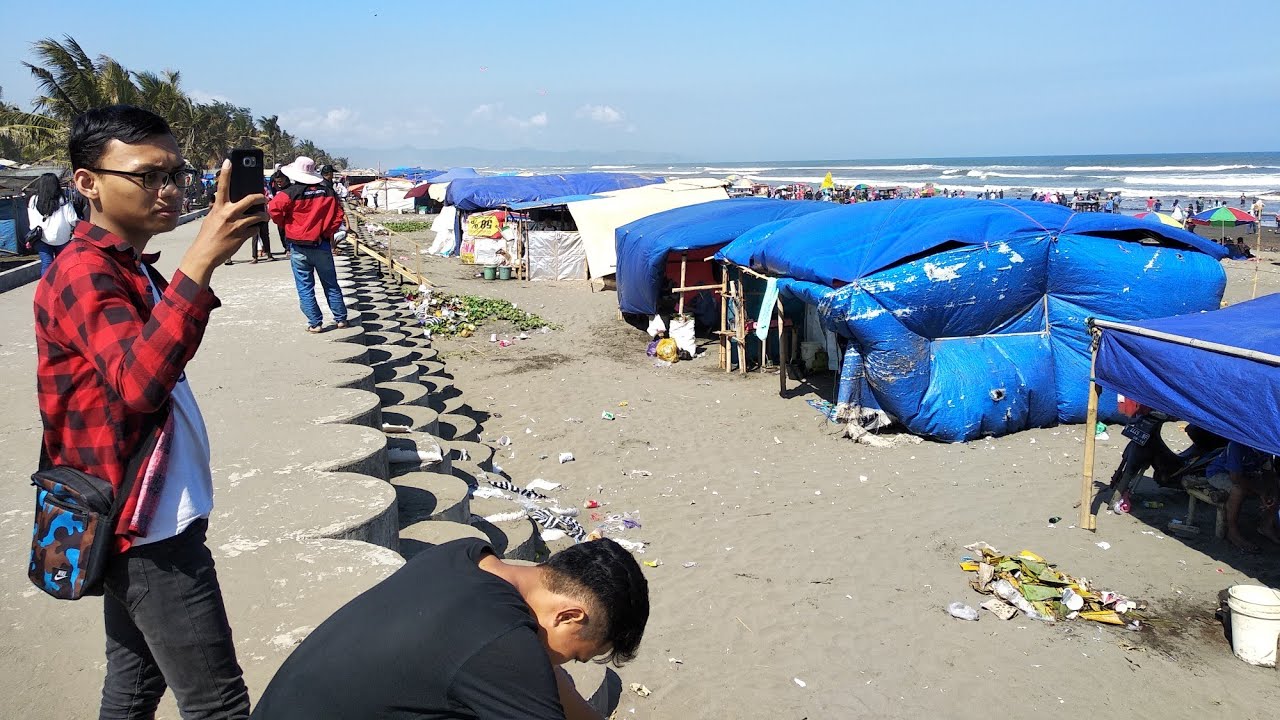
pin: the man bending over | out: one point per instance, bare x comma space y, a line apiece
458, 633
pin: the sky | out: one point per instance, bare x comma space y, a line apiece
707, 80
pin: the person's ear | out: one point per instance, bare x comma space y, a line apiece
572, 615
86, 183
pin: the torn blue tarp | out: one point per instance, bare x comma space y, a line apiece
643, 245
1222, 390
485, 193
969, 315
552, 202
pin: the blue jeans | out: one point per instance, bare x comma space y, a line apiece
317, 259
47, 253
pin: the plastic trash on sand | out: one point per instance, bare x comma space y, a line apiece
431, 454
566, 457
960, 611
667, 350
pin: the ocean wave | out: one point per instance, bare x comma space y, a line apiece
612, 167
991, 173
1233, 181
1161, 168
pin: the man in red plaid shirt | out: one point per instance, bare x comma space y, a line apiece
113, 339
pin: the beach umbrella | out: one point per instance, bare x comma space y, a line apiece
862, 186
828, 182
1223, 217
1158, 218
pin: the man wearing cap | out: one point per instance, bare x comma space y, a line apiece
338, 188
310, 214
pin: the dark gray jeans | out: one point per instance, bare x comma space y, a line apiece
166, 626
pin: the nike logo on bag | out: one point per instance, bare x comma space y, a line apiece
60, 575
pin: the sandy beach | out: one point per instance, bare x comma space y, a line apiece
824, 567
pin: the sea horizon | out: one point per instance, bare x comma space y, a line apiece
1168, 176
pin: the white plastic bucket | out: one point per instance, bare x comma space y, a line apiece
1255, 623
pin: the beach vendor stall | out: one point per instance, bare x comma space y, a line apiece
472, 195
964, 318
1218, 370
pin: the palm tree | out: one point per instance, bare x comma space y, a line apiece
71, 82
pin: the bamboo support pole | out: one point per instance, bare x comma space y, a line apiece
684, 265
724, 312
782, 351
1088, 521
742, 328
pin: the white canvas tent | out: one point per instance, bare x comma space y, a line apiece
390, 193
597, 219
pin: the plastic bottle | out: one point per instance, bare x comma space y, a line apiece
960, 611
1008, 593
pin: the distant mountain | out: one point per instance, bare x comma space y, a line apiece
479, 157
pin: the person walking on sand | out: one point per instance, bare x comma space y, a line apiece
113, 340
311, 214
50, 211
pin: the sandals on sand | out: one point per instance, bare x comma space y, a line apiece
315, 329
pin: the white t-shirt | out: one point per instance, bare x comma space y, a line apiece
58, 226
187, 495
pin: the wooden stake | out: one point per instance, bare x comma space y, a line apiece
684, 262
782, 351
724, 313
1088, 521
742, 327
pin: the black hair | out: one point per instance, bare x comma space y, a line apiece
93, 129
611, 578
48, 192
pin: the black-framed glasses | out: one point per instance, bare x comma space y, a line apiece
157, 179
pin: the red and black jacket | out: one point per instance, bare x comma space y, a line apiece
309, 214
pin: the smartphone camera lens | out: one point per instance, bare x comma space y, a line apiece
250, 162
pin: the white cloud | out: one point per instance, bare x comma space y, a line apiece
204, 98
600, 113
486, 111
345, 127
311, 120
538, 120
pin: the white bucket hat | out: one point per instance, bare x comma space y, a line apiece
302, 170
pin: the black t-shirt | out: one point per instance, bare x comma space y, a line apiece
440, 638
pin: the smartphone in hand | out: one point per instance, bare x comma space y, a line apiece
246, 173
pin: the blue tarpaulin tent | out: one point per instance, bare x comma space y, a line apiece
485, 193
1217, 370
966, 318
452, 174
643, 245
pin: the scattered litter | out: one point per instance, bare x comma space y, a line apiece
960, 611
1055, 520
1104, 545
553, 534
799, 682
652, 563
640, 473
776, 440
566, 457
540, 484
862, 478
591, 504
504, 441
389, 428
689, 564
633, 546
606, 415
640, 690
431, 455
675, 661
493, 337
623, 403
1032, 585
999, 608
463, 454
817, 492
506, 516
487, 492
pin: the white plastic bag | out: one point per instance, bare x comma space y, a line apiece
682, 333
656, 326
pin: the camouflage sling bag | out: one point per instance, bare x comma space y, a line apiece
76, 514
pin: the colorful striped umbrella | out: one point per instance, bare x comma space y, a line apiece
1223, 217
1158, 218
